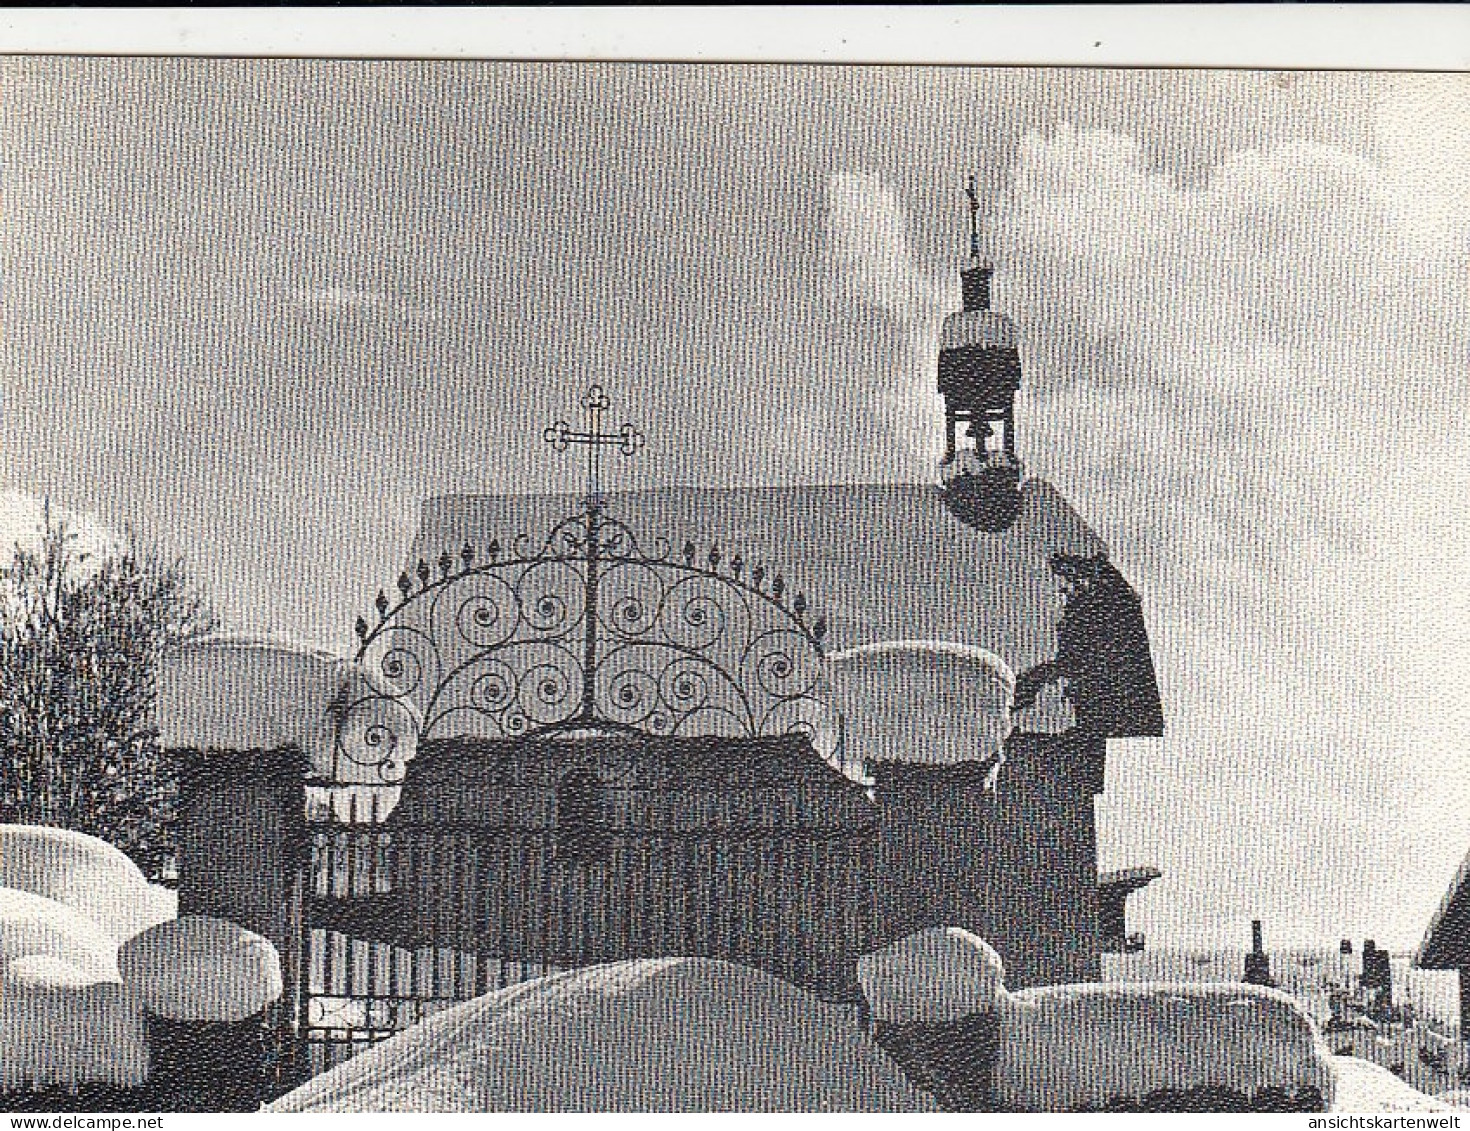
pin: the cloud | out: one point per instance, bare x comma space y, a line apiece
22, 518
871, 263
346, 300
1253, 385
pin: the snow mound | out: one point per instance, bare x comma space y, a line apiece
84, 873
54, 1032
668, 1034
32, 926
40, 970
1077, 1048
1364, 1087
202, 969
923, 701
261, 695
936, 976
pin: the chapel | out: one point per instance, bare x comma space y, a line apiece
975, 651
780, 725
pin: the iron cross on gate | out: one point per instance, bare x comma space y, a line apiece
627, 439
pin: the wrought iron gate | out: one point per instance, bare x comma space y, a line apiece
593, 720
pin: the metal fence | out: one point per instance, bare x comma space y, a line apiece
354, 992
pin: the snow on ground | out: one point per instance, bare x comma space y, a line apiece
935, 976
86, 874
202, 969
1366, 1088
922, 701
54, 1031
1070, 1048
32, 926
669, 1034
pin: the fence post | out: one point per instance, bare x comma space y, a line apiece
242, 846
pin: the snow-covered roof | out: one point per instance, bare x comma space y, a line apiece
881, 562
985, 328
652, 1035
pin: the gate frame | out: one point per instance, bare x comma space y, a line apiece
774, 683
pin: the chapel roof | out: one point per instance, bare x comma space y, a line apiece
1446, 944
881, 562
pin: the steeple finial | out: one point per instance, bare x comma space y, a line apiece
974, 218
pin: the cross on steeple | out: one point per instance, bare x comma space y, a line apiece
628, 439
974, 218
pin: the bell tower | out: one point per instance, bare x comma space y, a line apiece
979, 376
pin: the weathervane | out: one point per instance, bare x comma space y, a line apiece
627, 439
974, 218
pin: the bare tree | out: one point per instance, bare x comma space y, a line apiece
80, 643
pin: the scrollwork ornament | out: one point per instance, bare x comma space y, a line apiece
501, 646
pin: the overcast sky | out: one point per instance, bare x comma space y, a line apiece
260, 309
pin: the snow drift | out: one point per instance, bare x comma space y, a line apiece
935, 976
201, 969
86, 874
668, 1034
923, 701
1366, 1087
34, 927
1075, 1048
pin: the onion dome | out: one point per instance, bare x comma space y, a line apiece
979, 376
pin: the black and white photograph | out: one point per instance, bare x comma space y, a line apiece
675, 585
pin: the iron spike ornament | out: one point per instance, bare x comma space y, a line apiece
586, 629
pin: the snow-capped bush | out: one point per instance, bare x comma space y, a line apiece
54, 1032
85, 874
1083, 1047
935, 976
668, 1034
201, 969
32, 926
